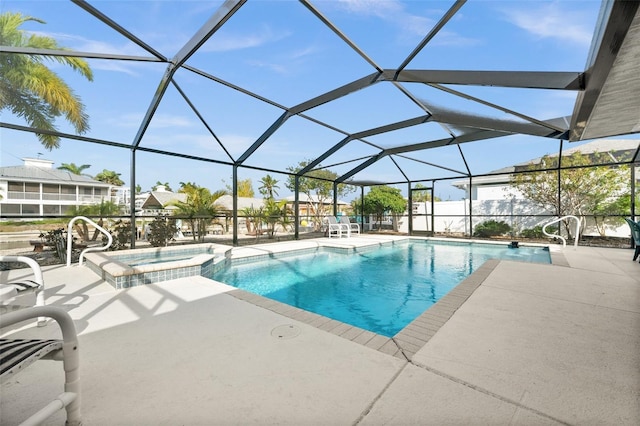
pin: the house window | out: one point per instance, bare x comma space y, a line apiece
16, 186
67, 192
16, 190
30, 209
31, 191
31, 187
51, 210
50, 189
50, 192
10, 209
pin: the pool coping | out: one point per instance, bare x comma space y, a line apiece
110, 267
408, 341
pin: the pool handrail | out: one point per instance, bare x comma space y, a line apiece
564, 241
88, 249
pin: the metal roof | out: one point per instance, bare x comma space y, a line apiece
46, 175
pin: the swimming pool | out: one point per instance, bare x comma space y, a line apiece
380, 290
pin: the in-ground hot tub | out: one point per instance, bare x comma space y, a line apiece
130, 268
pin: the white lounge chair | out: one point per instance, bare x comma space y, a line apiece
11, 289
353, 228
18, 354
334, 228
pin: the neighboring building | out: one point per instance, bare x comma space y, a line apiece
307, 205
225, 203
157, 202
493, 197
121, 195
37, 189
497, 186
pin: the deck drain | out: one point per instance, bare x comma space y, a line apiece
288, 331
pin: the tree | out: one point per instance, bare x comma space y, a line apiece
105, 208
245, 188
199, 209
166, 186
422, 194
110, 177
269, 187
185, 187
73, 168
584, 191
317, 185
382, 200
31, 90
253, 219
276, 213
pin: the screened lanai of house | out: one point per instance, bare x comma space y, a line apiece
378, 93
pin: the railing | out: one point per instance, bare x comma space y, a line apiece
564, 241
88, 249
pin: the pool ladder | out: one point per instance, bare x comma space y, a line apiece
88, 249
564, 241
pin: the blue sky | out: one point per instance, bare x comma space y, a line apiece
281, 51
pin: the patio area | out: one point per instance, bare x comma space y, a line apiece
531, 345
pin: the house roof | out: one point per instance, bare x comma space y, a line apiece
226, 202
47, 175
162, 198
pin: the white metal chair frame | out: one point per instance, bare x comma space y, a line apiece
18, 354
12, 289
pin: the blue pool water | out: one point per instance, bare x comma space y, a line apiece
380, 290
157, 259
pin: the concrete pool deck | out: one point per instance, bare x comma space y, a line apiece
530, 345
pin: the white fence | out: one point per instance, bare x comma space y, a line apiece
452, 217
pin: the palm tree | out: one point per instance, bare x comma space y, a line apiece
276, 212
269, 186
73, 168
166, 186
199, 209
105, 208
253, 219
110, 177
31, 90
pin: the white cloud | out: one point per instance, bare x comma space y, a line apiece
381, 9
236, 144
393, 11
222, 42
82, 44
162, 121
159, 121
551, 21
278, 68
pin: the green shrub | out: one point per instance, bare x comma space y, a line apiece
535, 232
491, 228
161, 231
121, 234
